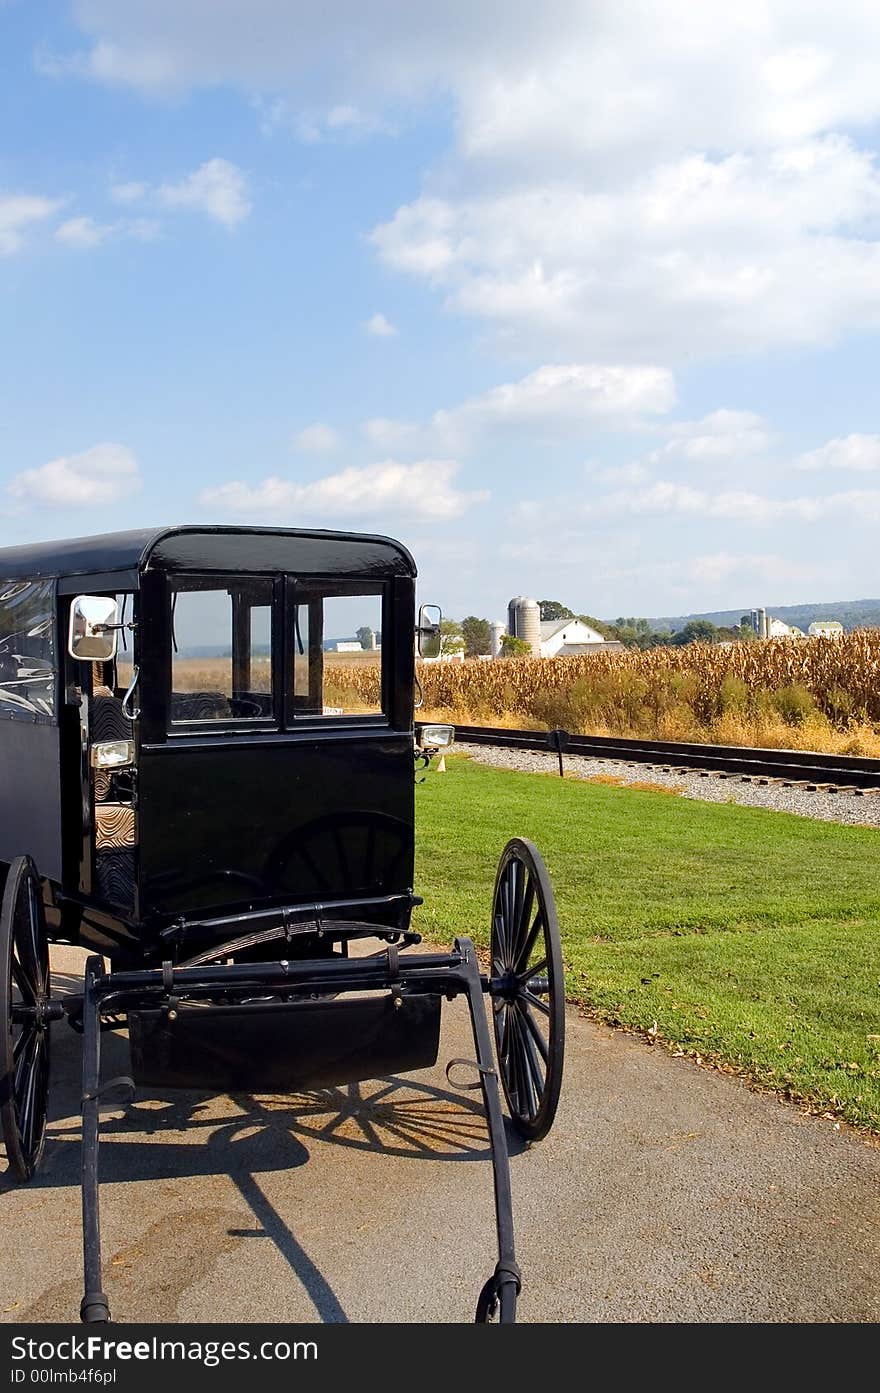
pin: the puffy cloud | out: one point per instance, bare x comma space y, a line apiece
668, 498
559, 396
84, 232
104, 474
420, 490
700, 255
554, 400
716, 567
860, 453
128, 193
722, 435
217, 188
18, 212
567, 80
389, 434
342, 122
583, 210
379, 327
317, 439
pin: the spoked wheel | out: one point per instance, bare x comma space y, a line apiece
528, 996
24, 1025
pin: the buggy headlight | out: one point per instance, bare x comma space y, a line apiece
436, 737
112, 754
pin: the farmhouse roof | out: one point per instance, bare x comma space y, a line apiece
549, 627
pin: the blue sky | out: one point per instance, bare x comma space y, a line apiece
580, 301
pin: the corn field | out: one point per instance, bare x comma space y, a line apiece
821, 694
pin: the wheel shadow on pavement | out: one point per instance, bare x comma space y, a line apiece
182, 1134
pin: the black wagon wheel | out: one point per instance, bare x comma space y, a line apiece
528, 996
24, 1027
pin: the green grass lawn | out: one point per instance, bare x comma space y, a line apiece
747, 937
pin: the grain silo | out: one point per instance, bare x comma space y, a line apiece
497, 632
524, 621
759, 622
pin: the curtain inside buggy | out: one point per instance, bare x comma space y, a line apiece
27, 650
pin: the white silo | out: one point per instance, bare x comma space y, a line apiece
524, 621
497, 632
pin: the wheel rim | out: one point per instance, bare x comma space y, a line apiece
528, 997
24, 991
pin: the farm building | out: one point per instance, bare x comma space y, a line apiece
567, 638
777, 628
826, 628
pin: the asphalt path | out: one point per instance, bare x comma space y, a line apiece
665, 1192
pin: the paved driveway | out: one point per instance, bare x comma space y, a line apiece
665, 1192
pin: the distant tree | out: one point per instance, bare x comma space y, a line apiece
512, 647
697, 631
554, 609
451, 637
606, 630
477, 636
745, 632
365, 635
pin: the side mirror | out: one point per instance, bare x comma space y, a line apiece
430, 618
94, 620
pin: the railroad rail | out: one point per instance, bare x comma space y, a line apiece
801, 768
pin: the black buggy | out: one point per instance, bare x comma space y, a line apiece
201, 783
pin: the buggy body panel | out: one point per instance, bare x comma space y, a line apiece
295, 810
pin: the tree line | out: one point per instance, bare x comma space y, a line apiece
473, 635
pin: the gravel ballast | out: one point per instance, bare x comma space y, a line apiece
845, 805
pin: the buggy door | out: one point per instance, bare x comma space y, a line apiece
274, 772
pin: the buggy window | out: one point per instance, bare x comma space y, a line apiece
221, 660
27, 650
337, 650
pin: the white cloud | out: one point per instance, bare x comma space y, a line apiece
860, 453
217, 188
128, 193
712, 569
618, 474
562, 396
667, 498
629, 182
389, 434
84, 232
555, 400
104, 474
380, 327
722, 435
420, 490
18, 212
343, 121
569, 79
317, 439
701, 255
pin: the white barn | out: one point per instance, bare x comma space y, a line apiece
567, 638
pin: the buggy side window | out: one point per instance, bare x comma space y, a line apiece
221, 659
27, 650
337, 650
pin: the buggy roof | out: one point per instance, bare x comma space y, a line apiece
195, 548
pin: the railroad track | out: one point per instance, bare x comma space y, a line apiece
796, 768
